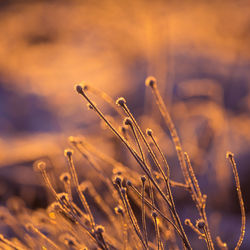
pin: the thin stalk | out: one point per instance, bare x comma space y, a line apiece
120, 212
129, 122
195, 229
9, 243
102, 204
153, 207
151, 81
230, 156
103, 96
158, 237
143, 179
132, 217
200, 201
44, 237
68, 153
122, 103
222, 245
150, 134
136, 156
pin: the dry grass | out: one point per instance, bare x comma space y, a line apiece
118, 206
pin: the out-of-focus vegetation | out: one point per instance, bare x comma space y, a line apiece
198, 51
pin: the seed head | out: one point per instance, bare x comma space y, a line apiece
29, 227
68, 239
119, 210
127, 121
200, 224
79, 88
150, 81
72, 139
154, 214
54, 207
117, 170
230, 155
85, 87
129, 183
63, 197
149, 132
40, 166
65, 177
123, 191
99, 229
143, 178
121, 101
68, 152
83, 186
187, 222
69, 242
122, 129
118, 180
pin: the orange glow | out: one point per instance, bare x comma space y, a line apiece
199, 53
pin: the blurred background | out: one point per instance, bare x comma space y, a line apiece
198, 51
